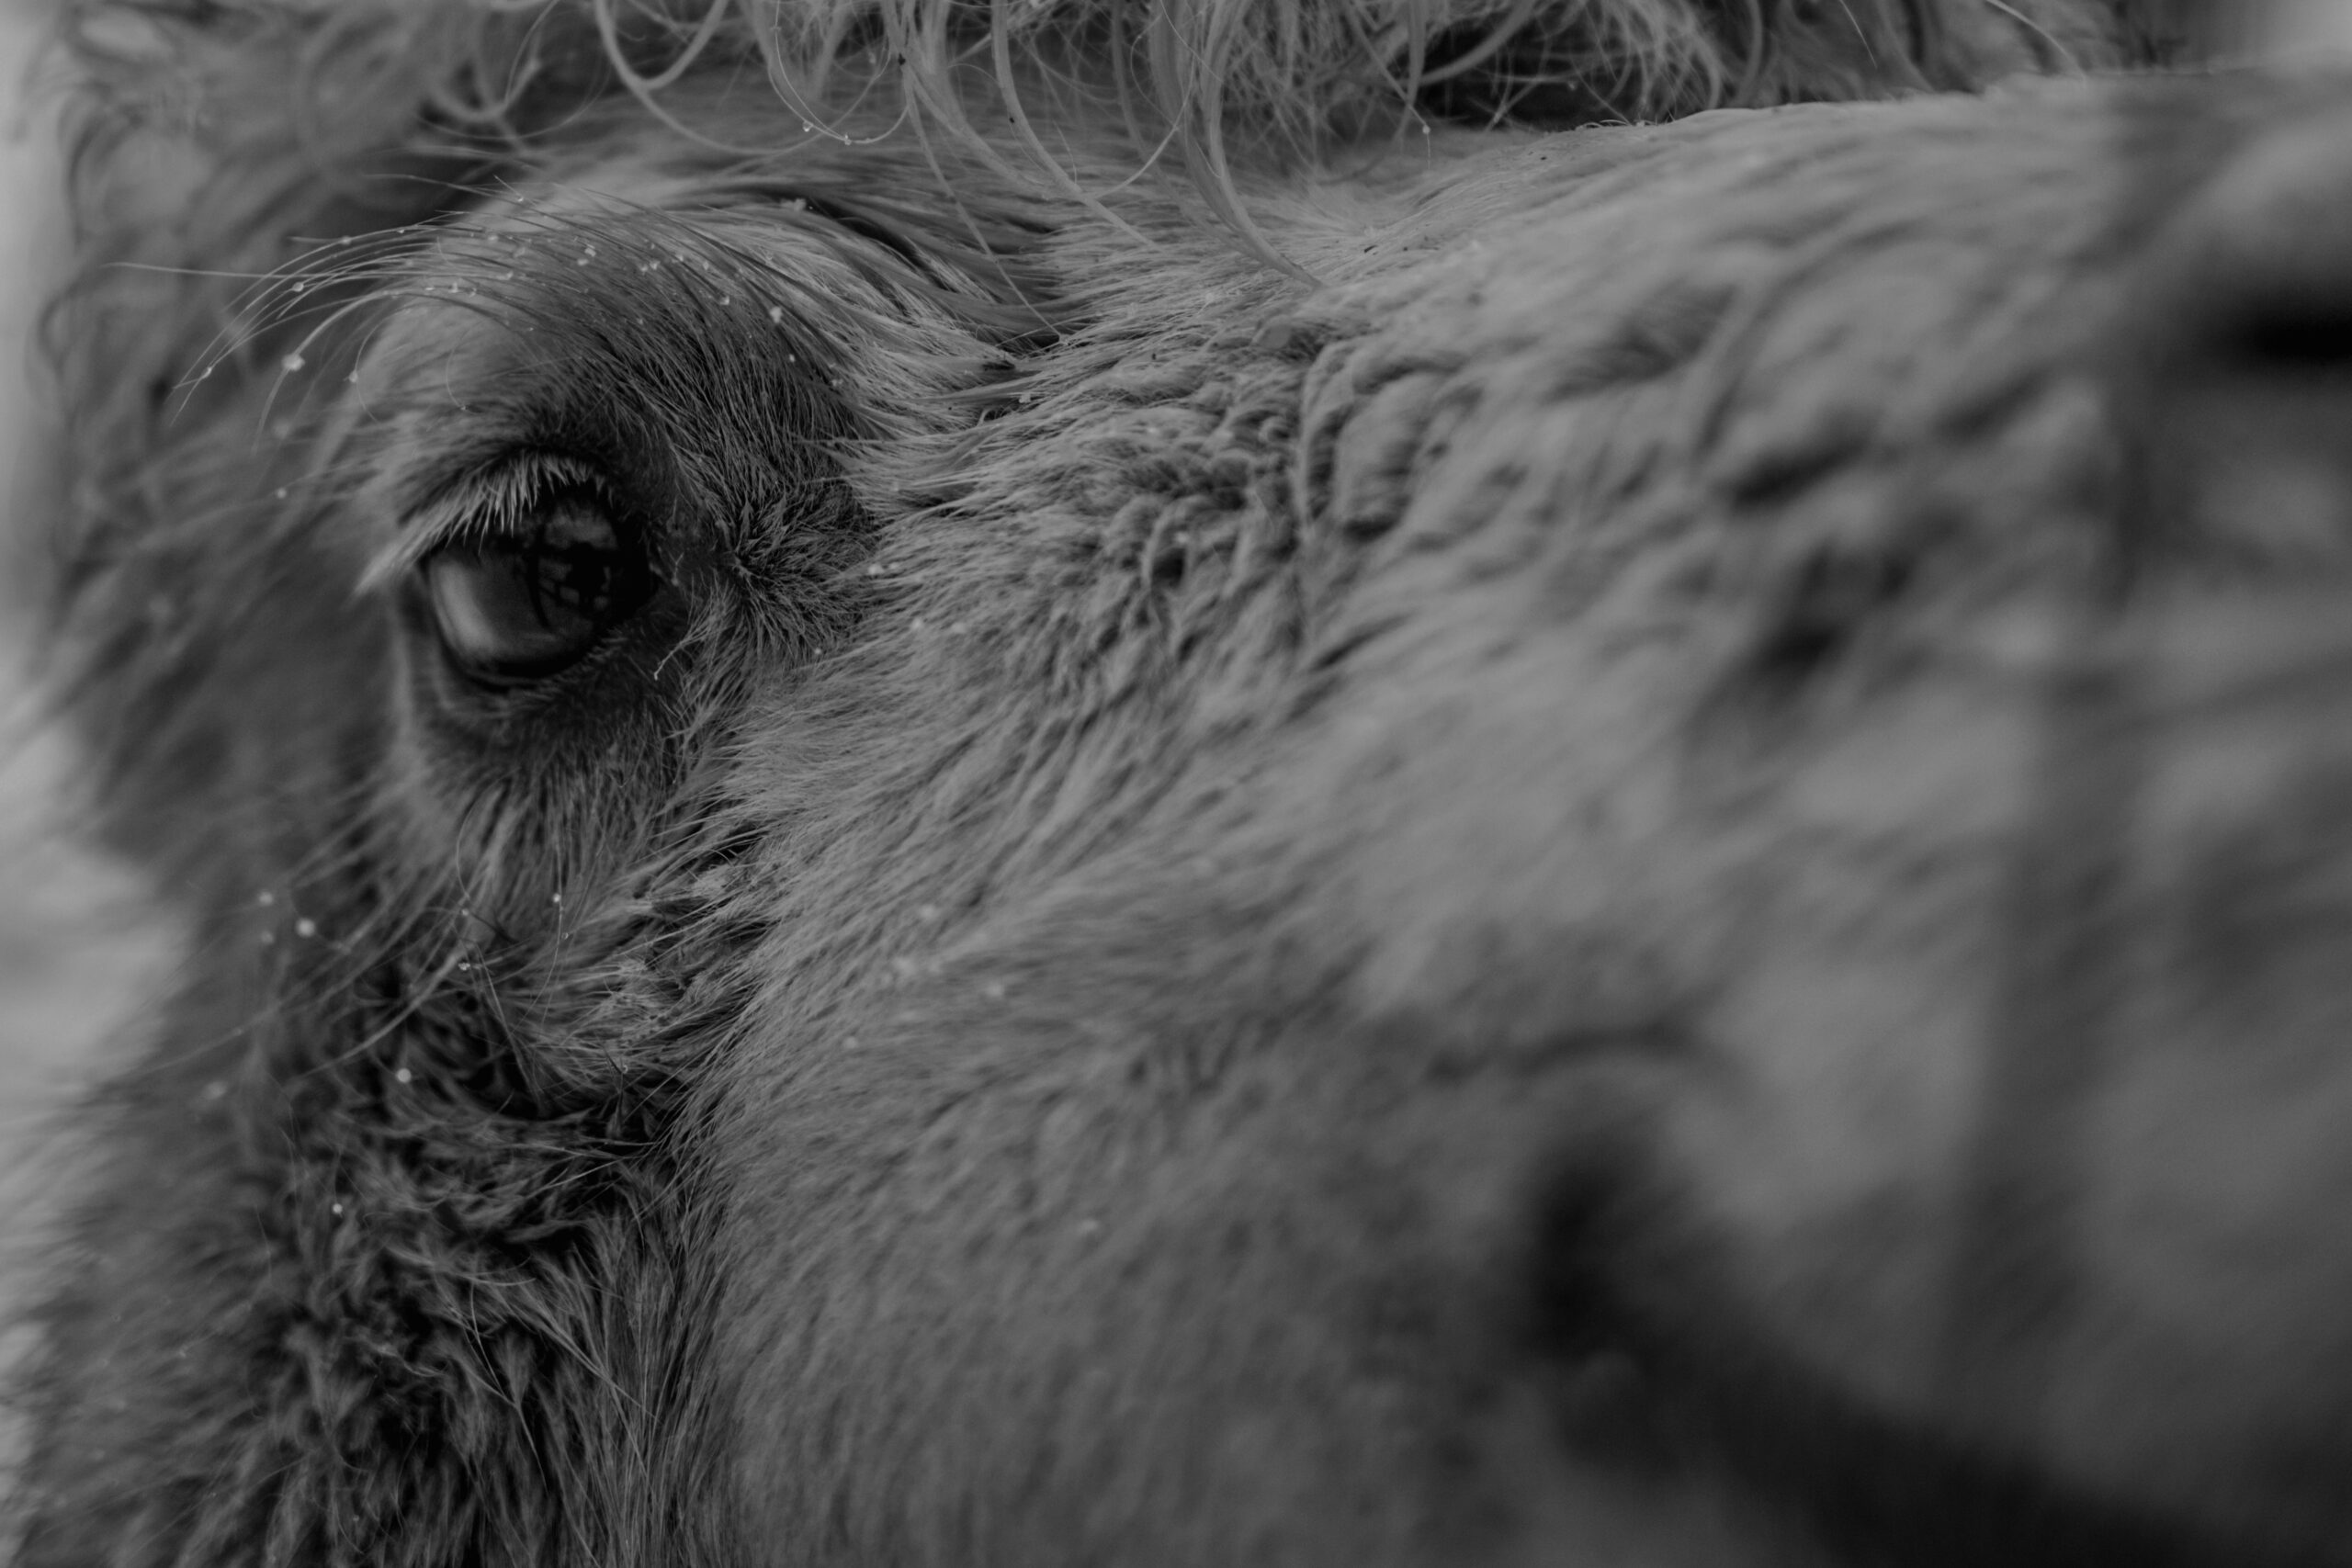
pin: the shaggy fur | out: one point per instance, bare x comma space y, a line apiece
1341, 861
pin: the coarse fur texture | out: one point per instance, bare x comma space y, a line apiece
1349, 816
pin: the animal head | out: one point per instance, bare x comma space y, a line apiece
1208, 783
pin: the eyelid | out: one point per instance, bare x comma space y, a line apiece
497, 499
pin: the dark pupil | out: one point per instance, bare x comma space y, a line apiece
530, 605
570, 577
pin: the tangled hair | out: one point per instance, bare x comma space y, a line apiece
246, 86
1287, 71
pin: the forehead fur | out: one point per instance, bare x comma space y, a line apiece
214, 135
222, 141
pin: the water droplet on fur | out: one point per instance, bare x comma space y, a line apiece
725, 299
403, 1076
557, 898
335, 1208
293, 362
306, 926
281, 492
264, 898
299, 286
776, 314
215, 1089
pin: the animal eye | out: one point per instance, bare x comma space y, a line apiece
526, 604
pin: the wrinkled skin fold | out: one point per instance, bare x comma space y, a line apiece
1465, 837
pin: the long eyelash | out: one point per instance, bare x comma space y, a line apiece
496, 499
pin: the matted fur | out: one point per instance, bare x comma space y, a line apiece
1136, 958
